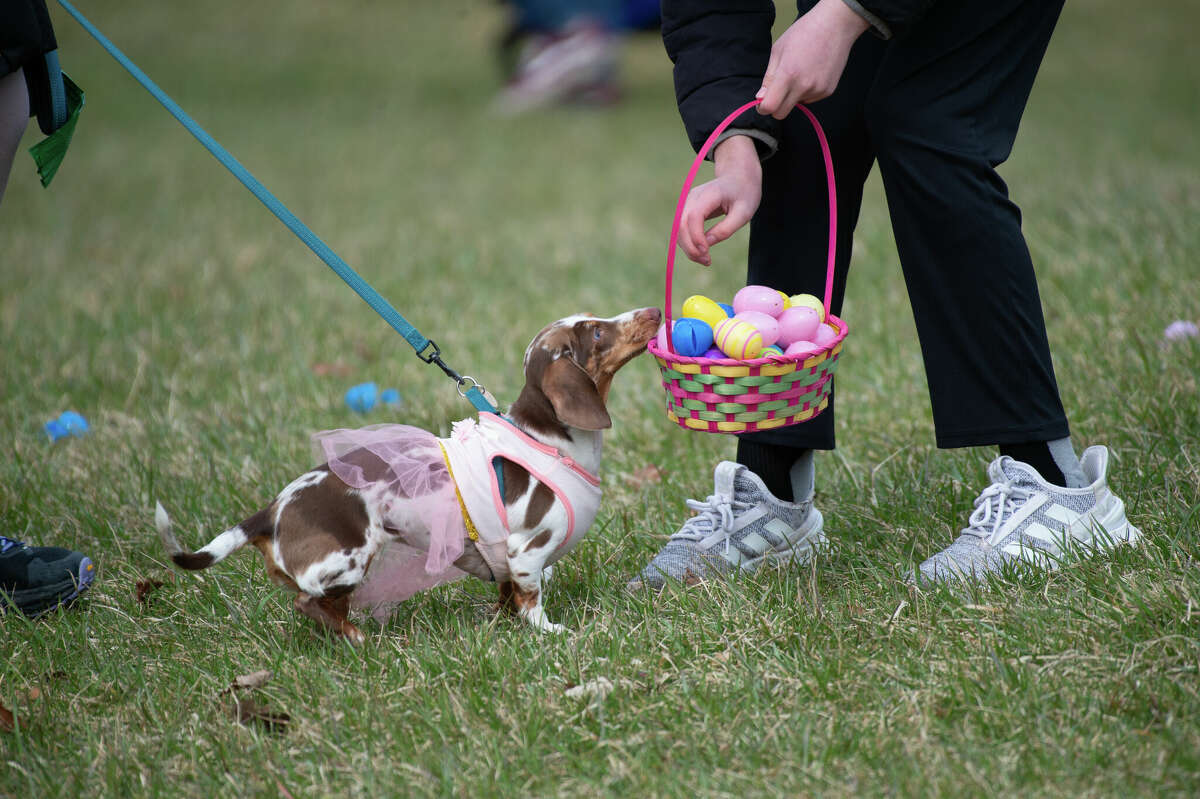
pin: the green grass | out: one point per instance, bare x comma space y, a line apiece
147, 290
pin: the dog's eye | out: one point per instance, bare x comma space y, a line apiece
597, 333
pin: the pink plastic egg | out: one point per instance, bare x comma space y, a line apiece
766, 324
826, 334
798, 323
758, 298
801, 348
661, 340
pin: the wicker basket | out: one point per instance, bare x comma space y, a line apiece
724, 395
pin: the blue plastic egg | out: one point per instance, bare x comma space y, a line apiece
691, 337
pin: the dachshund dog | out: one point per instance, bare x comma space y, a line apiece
395, 509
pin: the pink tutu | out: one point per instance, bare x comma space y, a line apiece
402, 471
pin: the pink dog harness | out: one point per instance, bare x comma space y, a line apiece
450, 485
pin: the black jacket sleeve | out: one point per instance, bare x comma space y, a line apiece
720, 51
897, 15
25, 34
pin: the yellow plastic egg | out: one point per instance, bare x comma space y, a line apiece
809, 301
706, 310
738, 339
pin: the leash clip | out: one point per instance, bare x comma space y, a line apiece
463, 388
434, 356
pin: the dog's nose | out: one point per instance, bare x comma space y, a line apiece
653, 315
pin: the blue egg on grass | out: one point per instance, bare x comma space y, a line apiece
68, 423
362, 398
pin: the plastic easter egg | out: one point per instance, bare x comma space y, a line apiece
362, 398
660, 339
811, 302
787, 301
739, 339
758, 298
726, 307
773, 349
801, 348
713, 353
691, 336
826, 334
766, 324
700, 307
798, 323
68, 423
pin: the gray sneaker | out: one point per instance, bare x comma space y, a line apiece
741, 526
1022, 520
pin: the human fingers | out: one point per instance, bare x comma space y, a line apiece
774, 99
739, 214
768, 80
702, 204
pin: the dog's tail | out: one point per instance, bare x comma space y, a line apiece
216, 550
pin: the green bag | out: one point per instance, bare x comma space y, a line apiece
48, 154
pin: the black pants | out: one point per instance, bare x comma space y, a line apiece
26, 35
938, 109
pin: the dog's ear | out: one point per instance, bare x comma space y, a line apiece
574, 395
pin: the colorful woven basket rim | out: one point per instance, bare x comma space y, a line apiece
675, 357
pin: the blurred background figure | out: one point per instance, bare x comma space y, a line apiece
566, 51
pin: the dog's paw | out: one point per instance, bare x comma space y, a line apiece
537, 619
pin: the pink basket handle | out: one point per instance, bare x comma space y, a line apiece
687, 187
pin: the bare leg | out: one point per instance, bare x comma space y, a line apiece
14, 116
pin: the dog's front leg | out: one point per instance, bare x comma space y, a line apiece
523, 593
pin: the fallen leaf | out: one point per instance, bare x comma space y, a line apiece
35, 693
7, 722
247, 711
144, 588
647, 475
255, 679
335, 368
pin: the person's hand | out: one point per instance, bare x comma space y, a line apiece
807, 60
734, 193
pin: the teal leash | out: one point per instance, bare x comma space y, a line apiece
427, 349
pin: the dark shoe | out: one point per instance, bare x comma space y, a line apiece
37, 580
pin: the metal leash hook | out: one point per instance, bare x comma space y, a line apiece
473, 393
464, 390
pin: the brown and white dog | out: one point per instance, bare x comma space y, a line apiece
319, 535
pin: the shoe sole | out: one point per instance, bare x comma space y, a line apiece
60, 595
